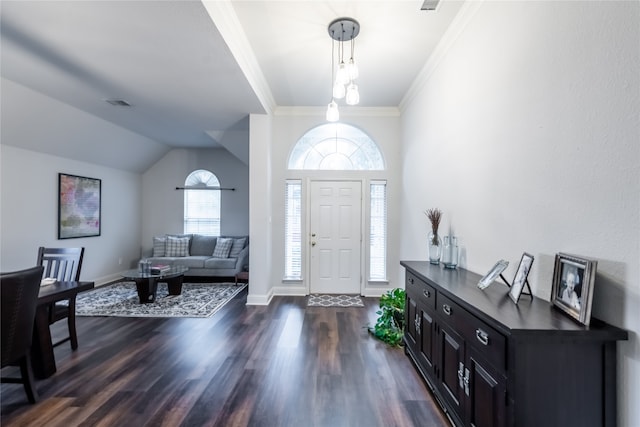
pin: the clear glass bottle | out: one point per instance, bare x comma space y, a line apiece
446, 251
453, 253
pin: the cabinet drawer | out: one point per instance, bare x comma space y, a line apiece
419, 289
490, 342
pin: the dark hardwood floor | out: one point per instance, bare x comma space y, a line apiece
277, 365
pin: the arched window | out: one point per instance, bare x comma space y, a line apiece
202, 203
336, 146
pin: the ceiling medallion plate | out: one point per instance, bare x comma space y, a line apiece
343, 29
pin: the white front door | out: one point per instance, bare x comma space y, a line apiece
335, 237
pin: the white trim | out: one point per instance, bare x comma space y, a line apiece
226, 21
345, 112
463, 17
260, 299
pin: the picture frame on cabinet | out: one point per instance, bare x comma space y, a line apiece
520, 279
495, 271
572, 288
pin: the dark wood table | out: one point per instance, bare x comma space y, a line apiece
42, 358
147, 283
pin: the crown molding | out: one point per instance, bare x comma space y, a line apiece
344, 111
460, 22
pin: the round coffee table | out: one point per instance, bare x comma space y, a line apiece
147, 284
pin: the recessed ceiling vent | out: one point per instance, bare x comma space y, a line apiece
118, 102
430, 5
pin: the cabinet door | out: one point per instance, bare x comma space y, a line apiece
451, 369
412, 322
486, 393
427, 340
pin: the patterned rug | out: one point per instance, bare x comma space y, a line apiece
326, 300
121, 300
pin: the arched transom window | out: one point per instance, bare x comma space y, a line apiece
336, 146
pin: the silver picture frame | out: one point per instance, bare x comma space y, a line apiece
495, 271
573, 282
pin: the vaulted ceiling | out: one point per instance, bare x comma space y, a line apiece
193, 71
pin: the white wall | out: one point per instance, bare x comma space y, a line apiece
269, 157
260, 253
527, 136
163, 205
29, 213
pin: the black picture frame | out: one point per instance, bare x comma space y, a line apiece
519, 281
79, 206
493, 274
573, 282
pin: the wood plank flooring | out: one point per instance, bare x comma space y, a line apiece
277, 365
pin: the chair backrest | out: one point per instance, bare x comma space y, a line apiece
18, 299
63, 264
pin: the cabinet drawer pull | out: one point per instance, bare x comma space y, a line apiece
482, 336
446, 309
411, 280
426, 293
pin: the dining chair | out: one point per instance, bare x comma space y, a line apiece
18, 300
63, 264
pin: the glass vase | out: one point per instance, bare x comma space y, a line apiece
435, 248
452, 255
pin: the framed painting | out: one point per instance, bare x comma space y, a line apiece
572, 289
79, 205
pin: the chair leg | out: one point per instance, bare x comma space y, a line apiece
27, 378
71, 321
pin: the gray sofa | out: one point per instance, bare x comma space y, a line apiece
206, 256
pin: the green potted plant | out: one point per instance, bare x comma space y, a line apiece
390, 324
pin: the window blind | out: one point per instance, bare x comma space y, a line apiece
293, 230
378, 231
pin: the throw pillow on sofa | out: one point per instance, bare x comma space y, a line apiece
238, 245
177, 246
223, 247
159, 246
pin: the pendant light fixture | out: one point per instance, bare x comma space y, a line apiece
343, 30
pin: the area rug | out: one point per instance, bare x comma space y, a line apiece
326, 300
121, 300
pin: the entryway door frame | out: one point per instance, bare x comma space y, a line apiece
360, 271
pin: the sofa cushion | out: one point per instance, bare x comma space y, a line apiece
192, 261
202, 245
159, 246
238, 245
177, 246
223, 247
220, 263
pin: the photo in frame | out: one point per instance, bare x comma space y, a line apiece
79, 205
572, 289
495, 271
520, 278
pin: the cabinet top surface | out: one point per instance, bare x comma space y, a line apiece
494, 306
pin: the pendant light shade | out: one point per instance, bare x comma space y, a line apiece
353, 96
343, 30
333, 115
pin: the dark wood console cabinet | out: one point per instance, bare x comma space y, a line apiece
492, 363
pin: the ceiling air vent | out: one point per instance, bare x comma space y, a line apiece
430, 5
118, 102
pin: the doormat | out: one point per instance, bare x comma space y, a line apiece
121, 300
330, 300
